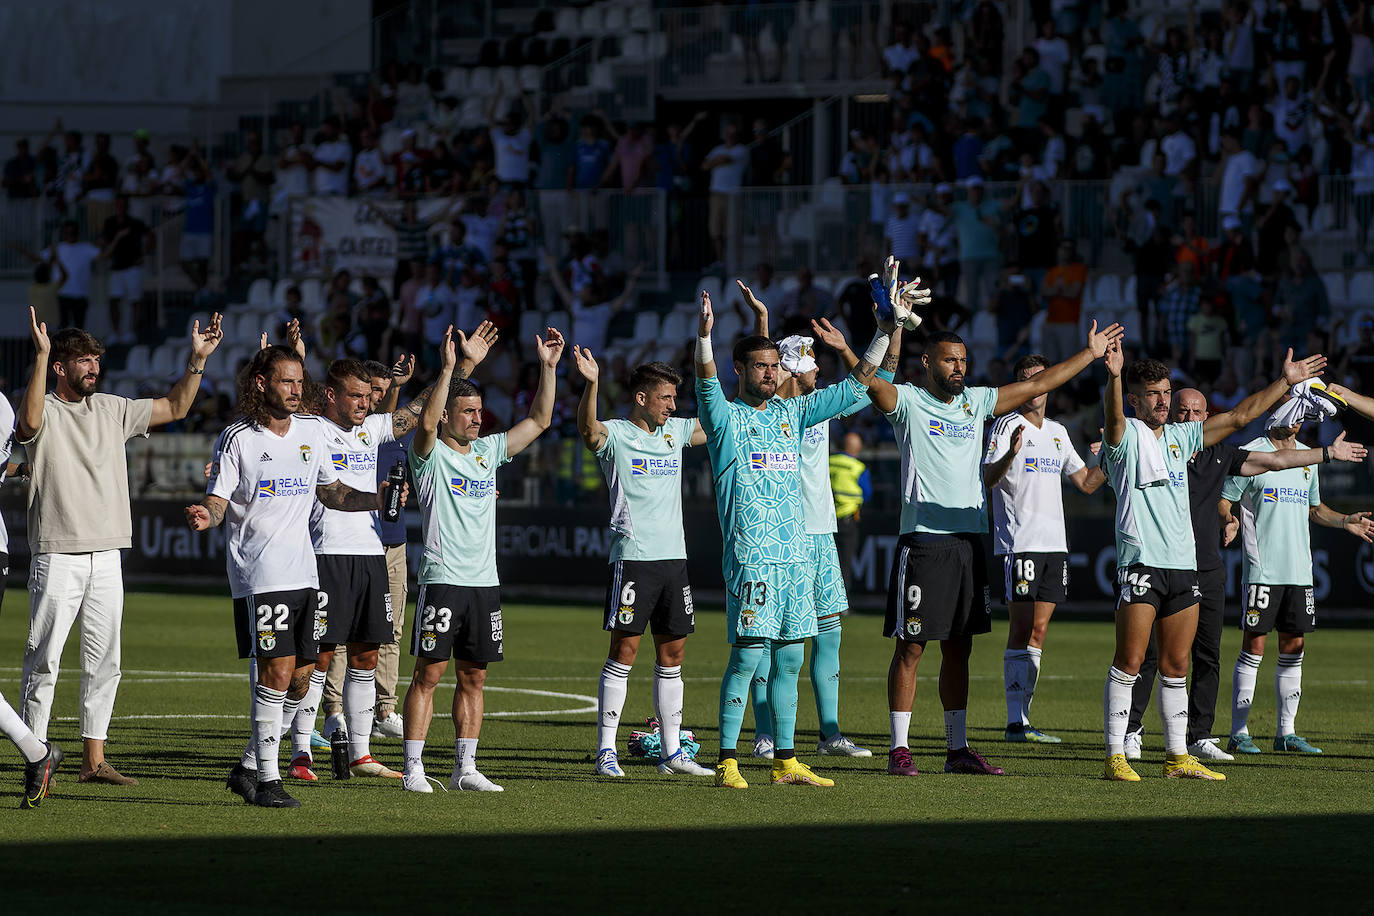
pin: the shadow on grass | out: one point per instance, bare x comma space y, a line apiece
1157, 865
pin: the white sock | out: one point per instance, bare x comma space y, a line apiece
1011, 679
610, 701
954, 729
1288, 690
288, 716
1243, 690
414, 751
303, 723
24, 739
249, 759
899, 723
1173, 712
267, 731
668, 705
1032, 678
1116, 708
359, 698
464, 756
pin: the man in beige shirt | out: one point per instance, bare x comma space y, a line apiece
79, 520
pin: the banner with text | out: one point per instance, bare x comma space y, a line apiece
329, 233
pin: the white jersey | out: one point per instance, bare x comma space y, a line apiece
352, 455
6, 447
269, 482
1028, 502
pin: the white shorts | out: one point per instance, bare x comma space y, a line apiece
127, 283
195, 247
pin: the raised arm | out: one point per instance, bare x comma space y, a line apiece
1257, 463
1010, 397
1219, 426
30, 419
882, 392
178, 401
540, 418
628, 292
705, 359
593, 430
1361, 404
556, 278
401, 372
1113, 405
758, 308
474, 350
427, 433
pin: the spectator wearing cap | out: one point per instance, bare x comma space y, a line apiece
1273, 226
939, 245
1062, 289
901, 235
977, 222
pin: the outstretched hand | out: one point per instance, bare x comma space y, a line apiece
586, 363
755, 306
38, 332
476, 347
295, 338
1302, 370
198, 517
1100, 341
1115, 359
203, 343
828, 334
705, 320
549, 347
448, 357
402, 369
1361, 525
1341, 450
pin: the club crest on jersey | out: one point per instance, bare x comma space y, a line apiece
913, 626
1058, 446
364, 438
1306, 473
668, 438
626, 615
1022, 587
428, 641
305, 454
267, 640
967, 408
786, 429
1175, 452
746, 620
481, 462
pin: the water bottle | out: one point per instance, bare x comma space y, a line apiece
879, 293
338, 754
396, 478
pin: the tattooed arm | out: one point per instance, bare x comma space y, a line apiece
208, 514
339, 495
474, 350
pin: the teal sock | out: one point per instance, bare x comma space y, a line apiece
782, 692
734, 693
825, 676
763, 719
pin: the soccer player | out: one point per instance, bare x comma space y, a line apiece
458, 610
1276, 508
1208, 471
641, 458
269, 468
1146, 460
355, 599
754, 444
40, 757
798, 377
79, 521
1027, 456
938, 587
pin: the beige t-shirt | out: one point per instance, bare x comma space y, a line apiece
79, 493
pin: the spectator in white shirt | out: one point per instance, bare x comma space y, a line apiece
726, 163
510, 143
1180, 153
76, 258
939, 242
294, 167
369, 168
1054, 56
900, 55
1238, 177
903, 230
331, 158
1291, 111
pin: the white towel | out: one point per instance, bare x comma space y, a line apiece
1150, 469
1302, 405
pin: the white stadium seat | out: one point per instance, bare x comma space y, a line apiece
1362, 289
1335, 286
646, 326
260, 292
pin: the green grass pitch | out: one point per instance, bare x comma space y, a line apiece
1049, 835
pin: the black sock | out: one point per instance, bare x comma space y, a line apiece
728, 755
784, 754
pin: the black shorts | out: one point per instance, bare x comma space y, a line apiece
644, 592
279, 625
1030, 577
938, 588
1286, 608
459, 621
1168, 591
355, 600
